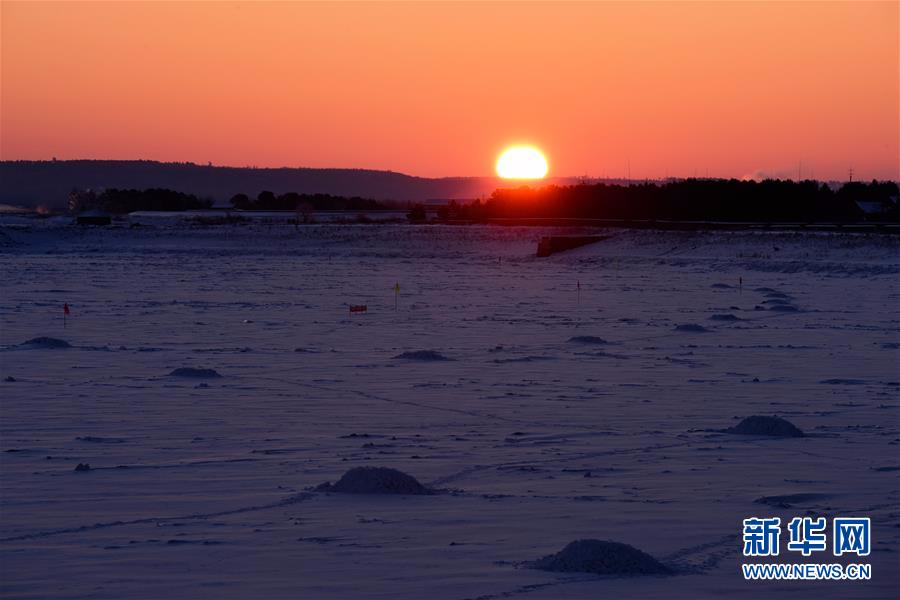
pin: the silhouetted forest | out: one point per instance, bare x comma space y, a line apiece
266, 200
118, 201
721, 200
687, 200
47, 183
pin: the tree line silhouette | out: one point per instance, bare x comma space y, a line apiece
121, 201
33, 183
686, 200
293, 201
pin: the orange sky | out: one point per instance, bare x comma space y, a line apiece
433, 89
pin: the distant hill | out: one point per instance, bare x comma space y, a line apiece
48, 183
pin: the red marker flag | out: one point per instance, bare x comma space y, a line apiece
66, 311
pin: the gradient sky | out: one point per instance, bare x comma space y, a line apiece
434, 89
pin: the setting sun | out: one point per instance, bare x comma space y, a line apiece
522, 162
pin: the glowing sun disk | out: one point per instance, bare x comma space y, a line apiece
522, 162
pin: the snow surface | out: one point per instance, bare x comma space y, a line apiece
559, 415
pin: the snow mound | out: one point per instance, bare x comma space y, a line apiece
843, 381
724, 317
375, 480
770, 426
783, 308
93, 439
587, 339
45, 343
789, 500
521, 359
192, 372
422, 355
691, 328
602, 558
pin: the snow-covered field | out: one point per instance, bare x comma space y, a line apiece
558, 414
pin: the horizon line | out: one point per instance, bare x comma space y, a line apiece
210, 164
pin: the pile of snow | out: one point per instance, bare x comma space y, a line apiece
843, 381
422, 355
587, 339
99, 440
770, 426
777, 301
602, 558
192, 372
789, 500
691, 328
45, 343
783, 307
375, 480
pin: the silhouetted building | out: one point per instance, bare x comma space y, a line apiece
876, 209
